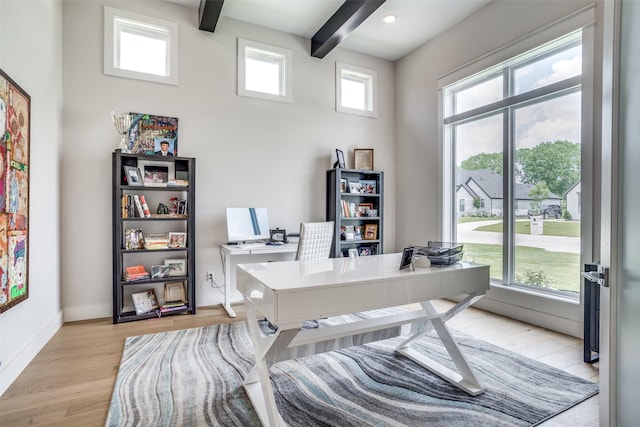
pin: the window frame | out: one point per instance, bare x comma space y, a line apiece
285, 67
142, 24
370, 80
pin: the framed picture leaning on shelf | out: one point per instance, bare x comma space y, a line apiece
363, 158
370, 231
145, 301
177, 239
368, 186
134, 178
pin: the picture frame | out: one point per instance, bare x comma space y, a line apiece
359, 232
174, 292
156, 175
370, 232
178, 266
340, 163
15, 172
368, 186
147, 132
407, 258
278, 235
160, 271
145, 301
133, 176
363, 159
349, 232
177, 239
355, 187
344, 185
364, 208
353, 252
365, 251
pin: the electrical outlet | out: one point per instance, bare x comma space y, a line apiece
211, 275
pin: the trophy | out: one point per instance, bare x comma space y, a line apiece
122, 122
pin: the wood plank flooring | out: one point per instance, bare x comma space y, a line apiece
70, 381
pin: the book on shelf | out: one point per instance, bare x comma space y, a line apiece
145, 207
135, 272
168, 309
178, 183
140, 211
156, 241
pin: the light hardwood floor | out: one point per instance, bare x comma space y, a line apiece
70, 381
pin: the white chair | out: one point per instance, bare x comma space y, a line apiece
315, 240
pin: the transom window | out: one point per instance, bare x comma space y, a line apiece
356, 90
140, 47
264, 71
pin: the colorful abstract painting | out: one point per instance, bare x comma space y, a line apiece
15, 126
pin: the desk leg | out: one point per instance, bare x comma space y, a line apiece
257, 384
464, 379
227, 287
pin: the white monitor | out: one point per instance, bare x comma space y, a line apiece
246, 224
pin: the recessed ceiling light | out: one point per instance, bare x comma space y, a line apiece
389, 18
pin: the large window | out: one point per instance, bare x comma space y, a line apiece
140, 47
513, 134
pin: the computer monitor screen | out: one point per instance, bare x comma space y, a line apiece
244, 224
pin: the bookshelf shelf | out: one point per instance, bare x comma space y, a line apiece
127, 216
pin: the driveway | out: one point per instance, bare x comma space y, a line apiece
467, 234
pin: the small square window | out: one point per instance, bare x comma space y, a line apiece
356, 90
264, 71
140, 47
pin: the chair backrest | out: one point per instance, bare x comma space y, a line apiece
315, 240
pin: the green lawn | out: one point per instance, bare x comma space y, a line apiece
550, 227
563, 267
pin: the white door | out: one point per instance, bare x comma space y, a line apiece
620, 238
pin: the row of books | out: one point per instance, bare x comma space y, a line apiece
134, 206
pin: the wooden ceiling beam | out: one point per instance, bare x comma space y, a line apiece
209, 13
347, 18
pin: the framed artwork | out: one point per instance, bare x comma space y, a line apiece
174, 292
156, 175
355, 187
363, 158
133, 176
340, 162
177, 239
160, 271
145, 301
344, 185
178, 267
153, 135
15, 135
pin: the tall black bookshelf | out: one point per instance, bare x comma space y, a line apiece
178, 184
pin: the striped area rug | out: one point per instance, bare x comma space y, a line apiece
193, 377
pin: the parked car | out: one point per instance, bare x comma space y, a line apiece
551, 211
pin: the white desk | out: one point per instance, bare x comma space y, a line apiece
288, 293
232, 255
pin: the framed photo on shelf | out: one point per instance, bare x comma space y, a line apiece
148, 131
177, 239
363, 158
344, 185
133, 176
160, 271
364, 208
368, 186
178, 267
174, 292
340, 162
407, 257
156, 175
355, 187
145, 301
370, 231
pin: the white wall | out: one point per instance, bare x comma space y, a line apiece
31, 54
249, 152
495, 25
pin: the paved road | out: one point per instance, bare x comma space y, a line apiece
467, 234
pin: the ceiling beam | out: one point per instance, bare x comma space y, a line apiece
346, 19
209, 13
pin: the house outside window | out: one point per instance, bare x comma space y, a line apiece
514, 133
